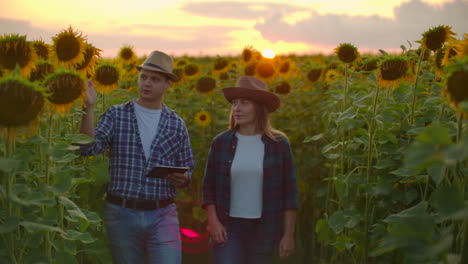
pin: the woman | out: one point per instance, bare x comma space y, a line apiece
249, 187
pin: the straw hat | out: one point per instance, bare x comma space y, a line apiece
160, 62
251, 88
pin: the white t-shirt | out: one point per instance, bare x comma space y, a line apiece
148, 121
247, 177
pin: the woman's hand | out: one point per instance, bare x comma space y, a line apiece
217, 231
286, 246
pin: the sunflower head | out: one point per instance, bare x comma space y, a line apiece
179, 71
205, 84
90, 60
248, 54
68, 47
347, 53
220, 65
107, 77
43, 68
331, 75
42, 49
203, 118
457, 82
369, 64
224, 76
127, 54
191, 70
250, 69
265, 70
64, 88
461, 46
314, 74
180, 63
15, 50
20, 102
283, 88
435, 37
392, 69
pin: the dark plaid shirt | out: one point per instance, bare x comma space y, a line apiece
117, 130
279, 183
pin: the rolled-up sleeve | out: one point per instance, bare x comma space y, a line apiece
102, 135
209, 179
184, 157
289, 180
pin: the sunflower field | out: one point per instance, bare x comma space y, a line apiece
380, 144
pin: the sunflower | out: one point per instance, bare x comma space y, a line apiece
65, 87
180, 74
368, 64
461, 46
283, 88
191, 70
435, 38
43, 68
457, 82
203, 118
393, 69
265, 71
180, 62
314, 74
90, 61
250, 69
331, 74
69, 47
20, 102
224, 76
248, 54
347, 53
107, 77
42, 49
126, 54
205, 84
220, 65
15, 50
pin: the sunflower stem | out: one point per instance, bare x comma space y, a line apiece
371, 132
9, 142
345, 98
413, 103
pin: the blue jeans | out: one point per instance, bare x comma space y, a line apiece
242, 245
143, 236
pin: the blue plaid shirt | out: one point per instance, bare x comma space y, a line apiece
117, 130
279, 183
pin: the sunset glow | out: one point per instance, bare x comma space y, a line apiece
268, 53
217, 27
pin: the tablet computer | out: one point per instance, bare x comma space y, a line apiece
163, 171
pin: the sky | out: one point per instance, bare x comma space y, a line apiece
213, 27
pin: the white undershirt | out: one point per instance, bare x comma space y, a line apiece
247, 177
147, 120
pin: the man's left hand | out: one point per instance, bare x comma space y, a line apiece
178, 179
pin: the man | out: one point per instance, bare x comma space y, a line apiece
140, 215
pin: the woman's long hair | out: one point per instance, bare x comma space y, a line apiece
262, 122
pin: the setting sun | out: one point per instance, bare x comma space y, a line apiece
268, 53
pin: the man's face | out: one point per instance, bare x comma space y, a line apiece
152, 85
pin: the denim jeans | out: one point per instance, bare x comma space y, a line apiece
242, 246
143, 236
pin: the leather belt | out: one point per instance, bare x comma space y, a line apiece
139, 204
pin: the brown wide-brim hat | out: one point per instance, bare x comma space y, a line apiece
248, 87
160, 62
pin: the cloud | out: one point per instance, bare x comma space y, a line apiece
410, 20
237, 10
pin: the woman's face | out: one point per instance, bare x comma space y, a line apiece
243, 111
